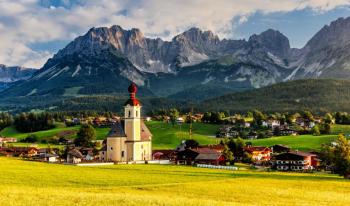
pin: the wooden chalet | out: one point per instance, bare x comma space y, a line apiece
259, 154
200, 155
19, 151
164, 155
296, 161
74, 156
46, 157
279, 148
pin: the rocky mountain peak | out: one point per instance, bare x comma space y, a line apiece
10, 74
335, 34
196, 35
273, 41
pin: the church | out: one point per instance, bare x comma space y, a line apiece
129, 140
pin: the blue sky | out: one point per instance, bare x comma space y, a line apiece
31, 31
298, 26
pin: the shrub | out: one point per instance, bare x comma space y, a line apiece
32, 138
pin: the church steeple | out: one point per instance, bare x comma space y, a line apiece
132, 101
132, 115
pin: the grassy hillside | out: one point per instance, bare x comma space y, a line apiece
301, 142
32, 183
59, 130
338, 128
315, 95
167, 136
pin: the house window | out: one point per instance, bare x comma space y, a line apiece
137, 113
129, 113
142, 146
122, 153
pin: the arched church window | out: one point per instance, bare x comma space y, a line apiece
137, 113
122, 153
129, 113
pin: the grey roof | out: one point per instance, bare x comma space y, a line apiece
45, 155
208, 156
75, 153
117, 130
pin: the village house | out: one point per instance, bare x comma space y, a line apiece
129, 140
180, 120
227, 131
302, 122
259, 154
201, 155
210, 158
271, 123
296, 161
46, 157
279, 148
74, 156
252, 135
164, 155
7, 140
19, 151
287, 132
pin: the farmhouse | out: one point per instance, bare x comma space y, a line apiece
163, 155
19, 151
74, 156
279, 148
259, 154
128, 140
200, 155
296, 161
4, 140
46, 157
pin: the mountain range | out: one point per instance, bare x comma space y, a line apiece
195, 65
12, 74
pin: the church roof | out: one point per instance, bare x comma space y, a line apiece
145, 133
117, 130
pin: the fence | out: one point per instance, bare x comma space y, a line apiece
217, 167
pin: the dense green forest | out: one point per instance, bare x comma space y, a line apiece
321, 95
316, 95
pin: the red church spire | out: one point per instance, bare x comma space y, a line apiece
132, 101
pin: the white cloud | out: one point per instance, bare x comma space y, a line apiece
26, 22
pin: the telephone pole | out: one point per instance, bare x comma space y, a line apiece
190, 115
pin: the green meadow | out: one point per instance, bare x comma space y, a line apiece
168, 136
34, 183
299, 142
59, 129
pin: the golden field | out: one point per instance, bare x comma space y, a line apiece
34, 183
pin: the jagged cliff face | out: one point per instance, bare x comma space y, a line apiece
149, 55
267, 50
106, 58
327, 54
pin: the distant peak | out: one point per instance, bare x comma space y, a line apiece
195, 33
